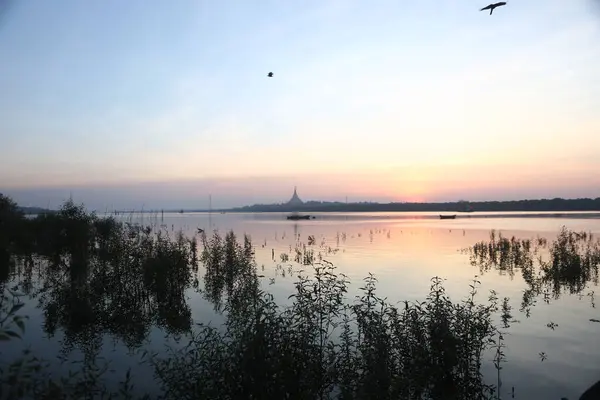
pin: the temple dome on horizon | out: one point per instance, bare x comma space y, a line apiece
295, 200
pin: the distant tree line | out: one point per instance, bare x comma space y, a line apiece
556, 204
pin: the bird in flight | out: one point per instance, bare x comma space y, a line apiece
270, 74
491, 7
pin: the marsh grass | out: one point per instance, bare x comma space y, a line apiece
322, 345
231, 271
90, 277
135, 279
573, 264
569, 264
306, 254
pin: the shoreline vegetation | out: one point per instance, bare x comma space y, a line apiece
97, 277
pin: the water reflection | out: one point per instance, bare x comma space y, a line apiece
230, 271
568, 264
120, 284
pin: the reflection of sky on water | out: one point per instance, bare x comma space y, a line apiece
404, 254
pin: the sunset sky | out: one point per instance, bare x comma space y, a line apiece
159, 103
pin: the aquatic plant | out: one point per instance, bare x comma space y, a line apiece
503, 254
568, 263
573, 264
323, 346
230, 271
93, 276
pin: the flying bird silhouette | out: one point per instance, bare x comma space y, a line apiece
491, 7
270, 74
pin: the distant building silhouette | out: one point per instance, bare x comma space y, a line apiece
295, 200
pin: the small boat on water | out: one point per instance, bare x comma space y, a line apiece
298, 217
447, 216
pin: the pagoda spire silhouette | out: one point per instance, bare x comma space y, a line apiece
295, 200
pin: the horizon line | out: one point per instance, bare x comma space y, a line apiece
324, 202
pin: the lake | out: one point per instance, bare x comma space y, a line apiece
552, 351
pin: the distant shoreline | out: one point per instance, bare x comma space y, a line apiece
331, 216
556, 205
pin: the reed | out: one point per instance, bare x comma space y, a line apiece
568, 264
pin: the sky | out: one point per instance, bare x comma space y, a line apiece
147, 103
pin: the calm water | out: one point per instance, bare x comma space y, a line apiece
404, 251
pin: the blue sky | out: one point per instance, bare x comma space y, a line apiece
390, 100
